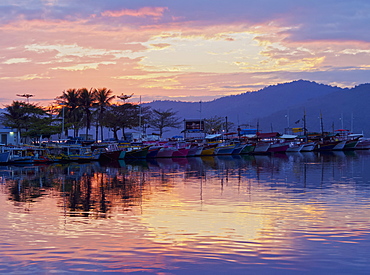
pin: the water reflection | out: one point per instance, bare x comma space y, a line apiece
284, 213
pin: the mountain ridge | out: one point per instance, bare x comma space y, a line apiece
281, 105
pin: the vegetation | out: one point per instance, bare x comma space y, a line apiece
31, 121
104, 99
77, 109
164, 119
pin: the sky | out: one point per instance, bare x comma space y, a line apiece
179, 50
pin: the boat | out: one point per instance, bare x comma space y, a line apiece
165, 152
208, 150
108, 152
136, 152
308, 146
278, 147
181, 149
4, 157
261, 147
248, 148
19, 155
199, 150
81, 154
340, 145
224, 149
330, 145
194, 148
181, 152
295, 147
363, 144
153, 151
238, 148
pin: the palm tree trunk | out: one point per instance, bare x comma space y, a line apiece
97, 132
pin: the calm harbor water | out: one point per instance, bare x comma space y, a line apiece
305, 213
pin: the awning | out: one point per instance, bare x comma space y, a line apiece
213, 136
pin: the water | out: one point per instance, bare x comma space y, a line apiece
303, 213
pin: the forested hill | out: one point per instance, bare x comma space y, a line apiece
279, 105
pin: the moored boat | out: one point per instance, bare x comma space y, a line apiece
295, 147
248, 148
4, 157
136, 152
261, 147
308, 146
224, 149
363, 144
278, 147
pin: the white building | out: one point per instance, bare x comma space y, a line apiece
8, 136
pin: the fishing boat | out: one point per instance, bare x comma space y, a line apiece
194, 148
208, 150
308, 146
328, 145
153, 151
80, 154
165, 152
248, 148
363, 144
19, 155
295, 147
136, 152
261, 147
4, 157
224, 149
238, 148
278, 147
108, 152
181, 149
181, 152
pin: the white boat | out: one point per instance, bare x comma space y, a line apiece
295, 147
308, 146
340, 145
363, 144
261, 147
224, 149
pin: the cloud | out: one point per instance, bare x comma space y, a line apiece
160, 46
142, 12
181, 48
16, 61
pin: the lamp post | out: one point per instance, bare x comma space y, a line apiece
63, 106
62, 120
26, 96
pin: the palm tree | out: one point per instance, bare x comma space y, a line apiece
70, 102
21, 116
103, 99
86, 100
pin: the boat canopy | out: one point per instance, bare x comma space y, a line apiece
285, 136
213, 136
355, 135
268, 135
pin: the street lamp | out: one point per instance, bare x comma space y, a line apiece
63, 105
26, 96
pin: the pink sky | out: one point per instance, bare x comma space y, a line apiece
179, 50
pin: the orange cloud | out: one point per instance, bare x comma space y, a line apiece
142, 12
160, 45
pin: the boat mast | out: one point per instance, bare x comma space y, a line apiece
140, 129
304, 124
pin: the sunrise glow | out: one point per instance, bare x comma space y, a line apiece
180, 51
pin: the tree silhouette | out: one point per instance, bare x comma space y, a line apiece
103, 98
164, 119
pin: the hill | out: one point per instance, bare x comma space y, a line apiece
277, 106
